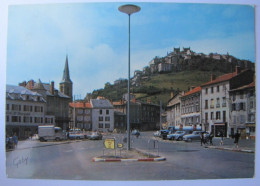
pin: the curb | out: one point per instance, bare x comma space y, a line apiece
96, 159
232, 149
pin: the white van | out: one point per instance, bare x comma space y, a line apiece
50, 132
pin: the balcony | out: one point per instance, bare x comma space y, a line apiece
224, 104
211, 106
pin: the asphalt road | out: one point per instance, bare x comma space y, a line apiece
72, 161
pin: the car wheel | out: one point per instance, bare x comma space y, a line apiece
42, 140
180, 139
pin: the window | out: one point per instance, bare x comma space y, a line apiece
107, 112
100, 118
212, 103
16, 107
234, 119
212, 115
224, 104
218, 88
100, 125
16, 119
206, 90
7, 106
206, 104
251, 104
26, 119
80, 111
107, 125
7, 118
26, 108
107, 118
206, 117
241, 95
38, 109
218, 103
217, 115
212, 90
242, 119
100, 112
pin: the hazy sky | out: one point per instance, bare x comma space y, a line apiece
95, 37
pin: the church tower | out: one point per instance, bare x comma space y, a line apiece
66, 83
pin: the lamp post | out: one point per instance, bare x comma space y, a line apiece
128, 9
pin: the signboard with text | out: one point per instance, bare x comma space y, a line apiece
110, 143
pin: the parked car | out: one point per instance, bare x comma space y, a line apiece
194, 136
178, 135
165, 132
157, 134
136, 132
76, 135
95, 136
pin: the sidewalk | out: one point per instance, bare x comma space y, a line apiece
243, 145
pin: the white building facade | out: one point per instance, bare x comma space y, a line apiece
102, 115
25, 111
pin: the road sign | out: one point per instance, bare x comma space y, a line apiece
110, 143
119, 145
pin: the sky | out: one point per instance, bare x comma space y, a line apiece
95, 38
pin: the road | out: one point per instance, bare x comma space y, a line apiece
72, 161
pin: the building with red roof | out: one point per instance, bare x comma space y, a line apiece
190, 107
215, 100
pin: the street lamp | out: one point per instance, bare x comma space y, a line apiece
128, 9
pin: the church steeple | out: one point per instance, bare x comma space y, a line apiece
66, 73
66, 83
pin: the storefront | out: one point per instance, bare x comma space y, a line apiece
250, 130
218, 128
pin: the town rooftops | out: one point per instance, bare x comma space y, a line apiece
251, 85
20, 90
81, 105
225, 77
195, 90
100, 103
17, 92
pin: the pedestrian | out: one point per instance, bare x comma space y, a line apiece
236, 136
201, 139
221, 138
211, 138
205, 138
15, 138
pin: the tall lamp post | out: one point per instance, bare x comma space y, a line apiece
128, 9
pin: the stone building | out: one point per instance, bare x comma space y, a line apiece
191, 107
57, 102
216, 100
81, 116
102, 115
25, 111
243, 110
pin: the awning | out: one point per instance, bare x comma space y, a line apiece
221, 124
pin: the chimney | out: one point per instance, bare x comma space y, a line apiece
191, 88
52, 88
23, 84
212, 77
171, 94
30, 85
238, 69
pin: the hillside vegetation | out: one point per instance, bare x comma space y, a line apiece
157, 87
